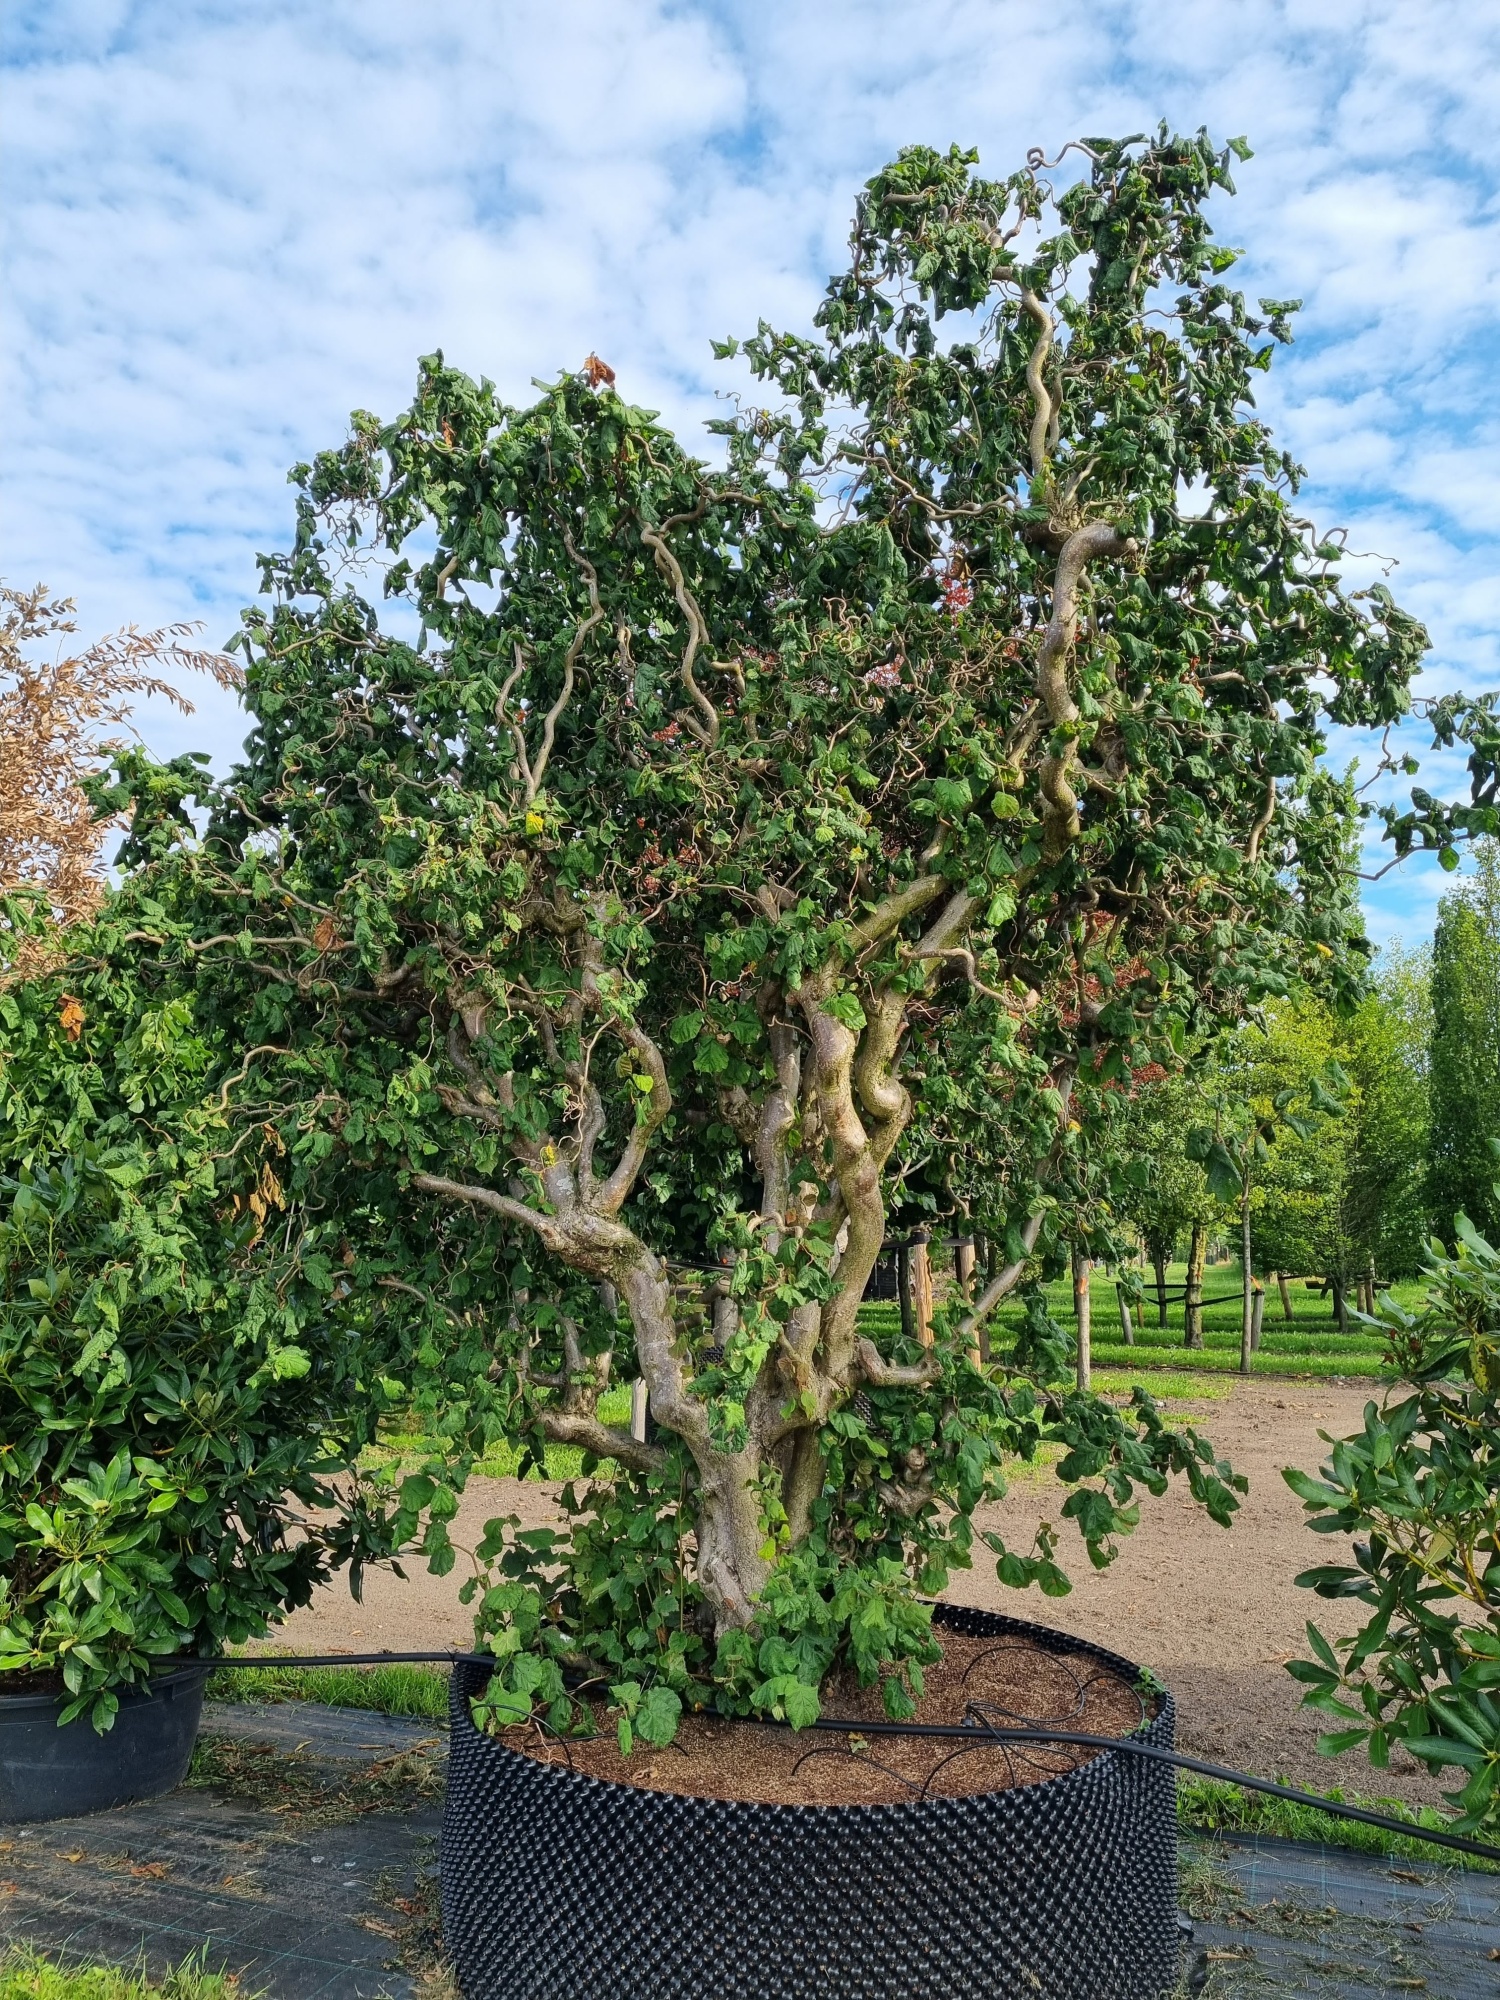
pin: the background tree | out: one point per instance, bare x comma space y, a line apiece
55, 709
1270, 1082
1300, 1214
599, 950
1169, 1197
1384, 1048
1464, 1073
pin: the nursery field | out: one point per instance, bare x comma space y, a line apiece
1308, 1347
1309, 1344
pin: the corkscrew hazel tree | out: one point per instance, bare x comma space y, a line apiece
600, 936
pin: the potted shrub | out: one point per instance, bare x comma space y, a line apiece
712, 857
171, 1442
1419, 1484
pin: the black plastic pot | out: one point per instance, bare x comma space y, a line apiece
558, 1886
47, 1772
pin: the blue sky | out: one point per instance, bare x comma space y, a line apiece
228, 225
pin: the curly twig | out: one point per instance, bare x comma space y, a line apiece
1060, 822
707, 731
1036, 361
1263, 820
581, 632
1037, 161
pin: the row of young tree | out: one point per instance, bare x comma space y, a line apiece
1345, 1140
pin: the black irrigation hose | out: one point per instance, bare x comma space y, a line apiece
972, 1732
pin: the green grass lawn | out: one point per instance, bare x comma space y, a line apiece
397, 1690
1208, 1805
28, 1975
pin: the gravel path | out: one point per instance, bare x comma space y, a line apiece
1216, 1613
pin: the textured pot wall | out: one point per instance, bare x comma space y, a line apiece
557, 1886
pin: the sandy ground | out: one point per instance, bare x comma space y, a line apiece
1214, 1612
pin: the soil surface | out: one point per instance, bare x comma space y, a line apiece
1216, 1613
1013, 1682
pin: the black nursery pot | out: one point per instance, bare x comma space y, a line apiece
47, 1772
558, 1886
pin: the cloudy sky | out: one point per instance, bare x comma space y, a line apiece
228, 225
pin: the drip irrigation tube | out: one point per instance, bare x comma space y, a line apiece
970, 1732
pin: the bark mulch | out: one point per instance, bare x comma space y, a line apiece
1016, 1682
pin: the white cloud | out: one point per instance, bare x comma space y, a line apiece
228, 226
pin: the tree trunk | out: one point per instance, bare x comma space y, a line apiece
730, 1533
1257, 1319
1127, 1325
1340, 1303
1247, 1296
903, 1289
1083, 1313
1286, 1294
1193, 1302
1159, 1265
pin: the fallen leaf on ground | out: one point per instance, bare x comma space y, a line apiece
379, 1927
155, 1869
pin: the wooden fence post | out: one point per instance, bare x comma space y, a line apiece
1083, 1312
1127, 1330
963, 1265
921, 1288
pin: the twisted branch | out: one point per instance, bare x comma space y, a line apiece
882, 1374
707, 731
1005, 1280
1060, 821
1042, 408
1263, 820
603, 1440
581, 632
533, 774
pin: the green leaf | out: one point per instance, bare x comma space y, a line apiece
658, 1716
1337, 1741
800, 1705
